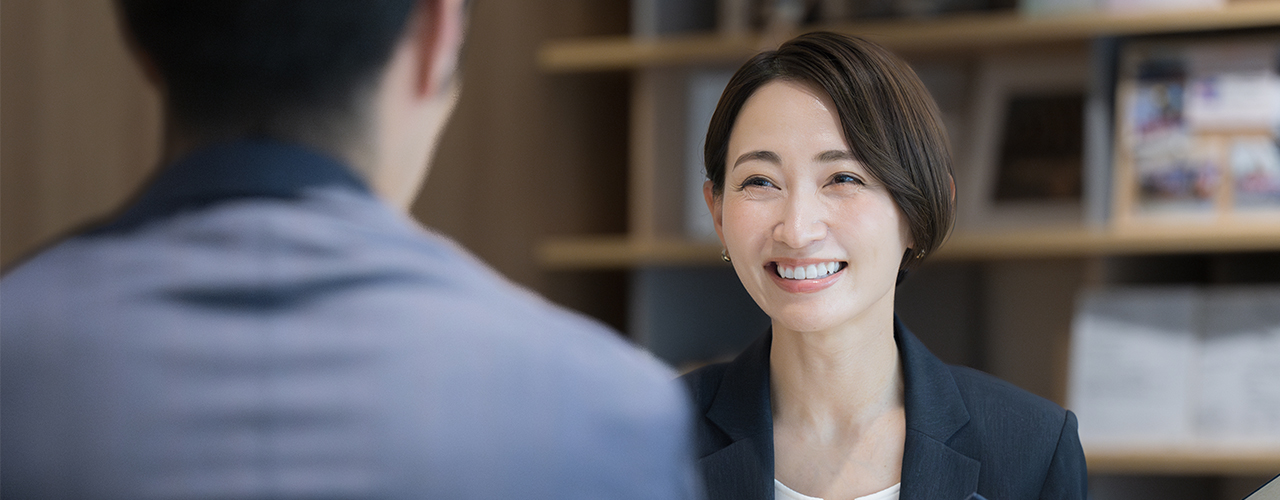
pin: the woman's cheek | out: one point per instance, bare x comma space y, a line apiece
745, 222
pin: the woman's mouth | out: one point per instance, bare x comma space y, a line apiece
806, 277
809, 271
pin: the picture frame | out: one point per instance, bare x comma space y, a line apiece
1197, 126
1025, 162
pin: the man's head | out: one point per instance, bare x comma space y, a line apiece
311, 71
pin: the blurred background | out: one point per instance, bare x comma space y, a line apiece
572, 165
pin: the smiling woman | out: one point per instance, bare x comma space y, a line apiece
830, 177
796, 199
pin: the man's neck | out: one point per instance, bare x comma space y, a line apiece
179, 143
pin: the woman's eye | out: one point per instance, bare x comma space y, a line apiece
757, 182
845, 178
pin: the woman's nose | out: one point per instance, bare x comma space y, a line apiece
802, 223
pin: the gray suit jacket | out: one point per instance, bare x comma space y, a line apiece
969, 435
258, 325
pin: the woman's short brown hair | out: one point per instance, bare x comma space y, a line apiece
889, 120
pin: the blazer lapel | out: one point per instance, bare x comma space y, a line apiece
741, 408
738, 471
931, 468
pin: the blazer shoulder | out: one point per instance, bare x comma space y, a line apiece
990, 396
1017, 434
1010, 417
703, 383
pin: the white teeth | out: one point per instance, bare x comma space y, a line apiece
810, 271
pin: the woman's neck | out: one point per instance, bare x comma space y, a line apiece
836, 380
839, 422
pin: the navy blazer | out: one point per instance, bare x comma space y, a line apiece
968, 433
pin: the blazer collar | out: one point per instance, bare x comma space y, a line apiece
246, 168
933, 403
935, 411
741, 408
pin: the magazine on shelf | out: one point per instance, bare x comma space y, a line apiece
1197, 125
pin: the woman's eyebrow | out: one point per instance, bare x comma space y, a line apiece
768, 156
834, 155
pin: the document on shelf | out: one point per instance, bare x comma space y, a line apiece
1132, 354
1239, 375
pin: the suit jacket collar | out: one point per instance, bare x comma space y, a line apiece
741, 408
935, 411
246, 168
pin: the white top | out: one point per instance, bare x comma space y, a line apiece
782, 492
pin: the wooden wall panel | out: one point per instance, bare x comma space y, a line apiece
80, 126
527, 154
1028, 308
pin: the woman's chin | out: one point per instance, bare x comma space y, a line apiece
826, 315
802, 321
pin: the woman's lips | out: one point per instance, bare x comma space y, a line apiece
806, 277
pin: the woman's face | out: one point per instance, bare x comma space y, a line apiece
795, 201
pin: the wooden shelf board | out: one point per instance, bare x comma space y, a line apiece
949, 33
621, 252
1082, 242
1200, 460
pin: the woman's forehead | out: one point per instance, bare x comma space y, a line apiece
783, 112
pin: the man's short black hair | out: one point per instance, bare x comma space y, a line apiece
265, 66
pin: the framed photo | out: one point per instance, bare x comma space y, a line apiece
1025, 164
1197, 124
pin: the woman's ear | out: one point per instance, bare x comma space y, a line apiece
715, 205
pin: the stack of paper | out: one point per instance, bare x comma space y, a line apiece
1239, 379
1131, 358
1169, 366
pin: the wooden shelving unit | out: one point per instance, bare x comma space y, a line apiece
966, 32
623, 252
654, 234
653, 241
1184, 460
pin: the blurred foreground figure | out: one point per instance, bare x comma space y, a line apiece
267, 322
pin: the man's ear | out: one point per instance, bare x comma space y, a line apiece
149, 69
438, 30
715, 204
143, 59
